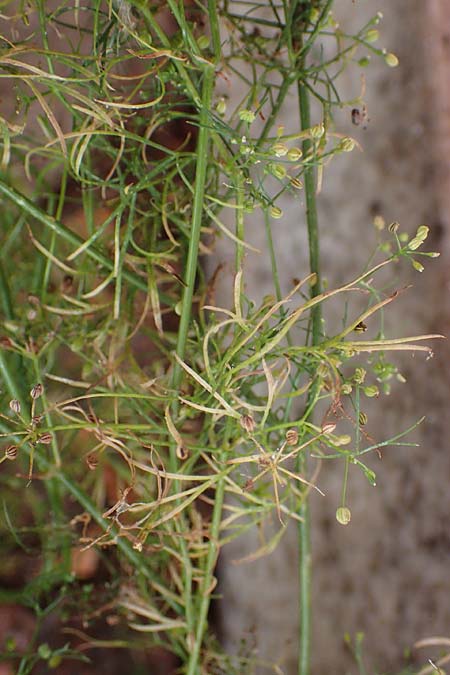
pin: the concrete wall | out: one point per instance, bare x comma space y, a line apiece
387, 573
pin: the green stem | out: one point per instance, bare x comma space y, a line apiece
213, 551
304, 532
186, 309
196, 224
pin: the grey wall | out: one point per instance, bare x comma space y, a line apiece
386, 573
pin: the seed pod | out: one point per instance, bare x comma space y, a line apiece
203, 42
182, 452
347, 144
343, 515
294, 154
15, 406
362, 419
317, 131
371, 391
280, 149
247, 116
345, 439
292, 436
247, 423
221, 106
379, 222
393, 227
92, 461
278, 170
359, 375
36, 391
249, 485
391, 60
46, 438
364, 62
328, 428
275, 212
372, 35
11, 452
296, 183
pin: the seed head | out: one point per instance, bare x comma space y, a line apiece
182, 452
247, 116
275, 212
421, 235
15, 406
280, 149
317, 131
347, 144
359, 376
278, 170
345, 439
391, 60
371, 391
294, 154
203, 42
221, 106
296, 183
343, 515
292, 436
36, 391
46, 438
379, 223
92, 461
372, 35
11, 452
362, 418
247, 423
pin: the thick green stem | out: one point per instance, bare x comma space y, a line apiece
304, 512
207, 584
190, 276
196, 224
305, 563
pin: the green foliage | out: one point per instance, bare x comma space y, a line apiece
114, 360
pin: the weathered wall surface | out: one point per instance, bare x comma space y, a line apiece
386, 574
